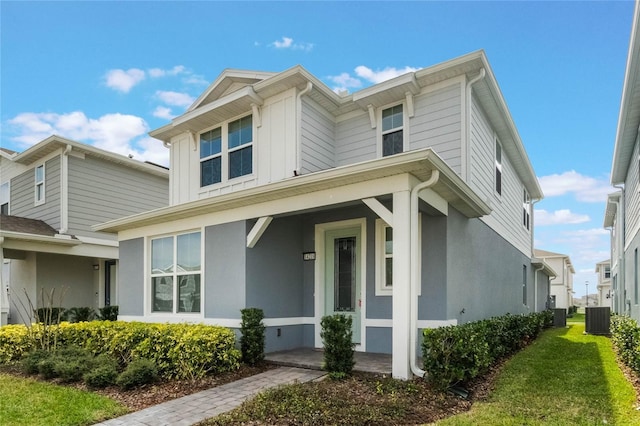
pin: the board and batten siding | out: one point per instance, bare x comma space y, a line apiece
100, 191
23, 194
506, 217
632, 195
318, 138
436, 124
355, 140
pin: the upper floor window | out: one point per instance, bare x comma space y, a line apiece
498, 164
226, 151
39, 184
4, 198
607, 272
392, 130
176, 267
526, 209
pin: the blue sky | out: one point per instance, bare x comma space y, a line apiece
106, 73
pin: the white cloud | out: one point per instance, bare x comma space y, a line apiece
150, 149
559, 217
585, 188
175, 98
159, 72
345, 82
196, 79
123, 81
288, 43
163, 112
381, 75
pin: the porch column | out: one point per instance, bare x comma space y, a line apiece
401, 280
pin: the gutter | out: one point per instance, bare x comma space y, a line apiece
621, 243
413, 282
64, 190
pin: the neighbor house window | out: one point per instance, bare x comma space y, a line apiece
384, 258
526, 209
392, 130
226, 152
607, 272
4, 198
524, 285
39, 184
176, 269
498, 164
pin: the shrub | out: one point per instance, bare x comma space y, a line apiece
50, 315
109, 313
138, 373
29, 362
252, 340
15, 341
81, 314
101, 376
47, 367
625, 336
338, 348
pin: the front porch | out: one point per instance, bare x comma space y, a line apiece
313, 359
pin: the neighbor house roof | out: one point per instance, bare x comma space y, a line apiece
611, 209
629, 118
546, 268
235, 92
544, 254
22, 228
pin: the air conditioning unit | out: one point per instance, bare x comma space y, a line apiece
598, 320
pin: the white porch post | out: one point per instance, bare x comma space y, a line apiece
401, 280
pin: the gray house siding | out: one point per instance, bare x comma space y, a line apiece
100, 191
542, 292
490, 283
23, 194
131, 277
432, 303
70, 278
355, 140
318, 138
632, 195
437, 124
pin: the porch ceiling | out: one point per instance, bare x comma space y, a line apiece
419, 164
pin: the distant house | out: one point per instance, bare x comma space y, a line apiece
622, 214
561, 294
51, 195
405, 205
603, 269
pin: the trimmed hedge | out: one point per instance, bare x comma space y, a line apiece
457, 354
336, 335
182, 351
625, 336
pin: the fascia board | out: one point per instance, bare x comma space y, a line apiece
21, 236
547, 269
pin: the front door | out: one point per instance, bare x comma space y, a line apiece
342, 275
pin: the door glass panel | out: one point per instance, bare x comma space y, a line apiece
345, 274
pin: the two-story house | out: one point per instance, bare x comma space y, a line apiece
622, 215
603, 271
52, 193
561, 292
405, 205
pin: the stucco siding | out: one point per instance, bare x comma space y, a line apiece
100, 191
437, 124
632, 294
318, 138
71, 280
355, 140
23, 194
131, 281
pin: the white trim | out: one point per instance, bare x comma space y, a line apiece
380, 132
8, 183
36, 183
319, 275
223, 322
64, 190
381, 287
381, 323
422, 324
258, 229
379, 209
432, 198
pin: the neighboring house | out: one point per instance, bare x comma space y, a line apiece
405, 205
603, 269
52, 194
622, 214
562, 284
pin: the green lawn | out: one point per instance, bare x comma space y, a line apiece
564, 378
29, 402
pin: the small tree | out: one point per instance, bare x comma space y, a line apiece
252, 340
338, 346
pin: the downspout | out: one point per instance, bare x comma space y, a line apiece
415, 264
621, 243
64, 191
535, 288
298, 169
535, 277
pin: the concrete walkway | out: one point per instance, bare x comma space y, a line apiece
194, 408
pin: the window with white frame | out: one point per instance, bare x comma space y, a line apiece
4, 198
524, 285
392, 130
607, 272
498, 167
176, 269
226, 152
526, 209
39, 184
384, 258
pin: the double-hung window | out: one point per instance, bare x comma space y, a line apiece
607, 272
4, 198
176, 269
526, 209
392, 130
498, 164
226, 152
384, 258
39, 184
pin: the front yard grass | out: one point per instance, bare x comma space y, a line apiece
565, 377
25, 401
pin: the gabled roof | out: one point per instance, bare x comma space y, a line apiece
603, 263
544, 254
546, 268
26, 225
629, 117
227, 98
54, 143
611, 210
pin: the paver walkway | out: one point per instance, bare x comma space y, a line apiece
194, 408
